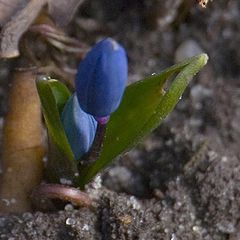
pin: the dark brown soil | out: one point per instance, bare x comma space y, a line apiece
182, 182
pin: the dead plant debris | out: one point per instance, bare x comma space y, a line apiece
203, 3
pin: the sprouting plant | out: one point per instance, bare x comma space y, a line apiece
102, 119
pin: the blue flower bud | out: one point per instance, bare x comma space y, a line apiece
80, 127
101, 78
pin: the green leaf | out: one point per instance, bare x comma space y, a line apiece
60, 92
61, 162
144, 105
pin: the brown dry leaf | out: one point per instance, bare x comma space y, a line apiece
62, 11
9, 8
59, 39
14, 29
21, 14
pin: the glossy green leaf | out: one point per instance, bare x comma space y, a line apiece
53, 95
145, 104
60, 92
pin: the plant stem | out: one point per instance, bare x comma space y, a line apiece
96, 148
63, 192
23, 147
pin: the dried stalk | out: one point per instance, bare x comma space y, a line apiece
22, 149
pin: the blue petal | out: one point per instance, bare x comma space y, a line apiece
80, 127
101, 78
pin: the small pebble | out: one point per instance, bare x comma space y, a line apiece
69, 207
70, 221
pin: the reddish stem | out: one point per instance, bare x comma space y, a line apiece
96, 148
63, 192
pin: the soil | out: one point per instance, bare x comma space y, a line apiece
182, 182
